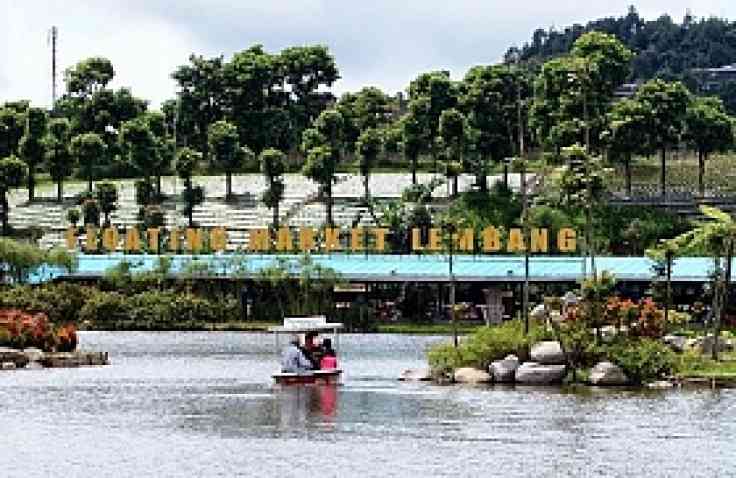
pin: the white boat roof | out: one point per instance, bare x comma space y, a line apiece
324, 327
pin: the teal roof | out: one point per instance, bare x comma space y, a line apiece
428, 268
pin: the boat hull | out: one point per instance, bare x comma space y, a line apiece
318, 377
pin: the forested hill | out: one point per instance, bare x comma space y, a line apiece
663, 47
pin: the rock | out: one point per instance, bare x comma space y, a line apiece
538, 313
471, 375
660, 385
532, 373
548, 353
504, 371
707, 343
17, 357
415, 375
8, 366
607, 373
33, 355
675, 342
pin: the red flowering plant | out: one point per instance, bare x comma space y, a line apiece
20, 329
650, 322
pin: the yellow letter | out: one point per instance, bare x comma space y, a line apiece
380, 234
259, 240
283, 240
174, 242
491, 240
416, 240
516, 241
71, 238
110, 239
435, 240
465, 240
218, 239
566, 240
132, 240
539, 240
332, 239
152, 234
356, 239
91, 239
194, 239
306, 239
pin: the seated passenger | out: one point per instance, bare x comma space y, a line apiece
294, 360
329, 357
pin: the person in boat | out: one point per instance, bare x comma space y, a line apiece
311, 350
294, 360
329, 357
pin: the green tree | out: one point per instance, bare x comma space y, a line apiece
186, 162
412, 142
273, 165
666, 106
12, 174
708, 128
140, 148
87, 149
12, 125
225, 146
32, 147
429, 95
490, 103
58, 158
89, 76
453, 133
627, 134
717, 237
323, 146
369, 108
368, 147
107, 198
202, 98
307, 70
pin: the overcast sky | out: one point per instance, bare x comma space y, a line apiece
384, 43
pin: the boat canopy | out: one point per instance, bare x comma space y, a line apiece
299, 325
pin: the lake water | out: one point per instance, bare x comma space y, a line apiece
202, 404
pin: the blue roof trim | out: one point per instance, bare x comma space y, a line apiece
385, 267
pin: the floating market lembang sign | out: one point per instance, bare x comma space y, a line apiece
307, 239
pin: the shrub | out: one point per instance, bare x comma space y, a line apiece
643, 360
484, 346
61, 302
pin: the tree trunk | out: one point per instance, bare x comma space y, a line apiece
414, 170
701, 173
328, 203
89, 182
627, 166
723, 303
276, 216
366, 189
4, 201
158, 187
60, 191
663, 172
31, 182
454, 186
505, 175
190, 205
228, 185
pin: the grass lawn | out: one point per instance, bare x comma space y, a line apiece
698, 366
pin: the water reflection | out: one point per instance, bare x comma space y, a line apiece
203, 404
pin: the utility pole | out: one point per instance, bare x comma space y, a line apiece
54, 35
524, 204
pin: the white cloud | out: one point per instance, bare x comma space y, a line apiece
383, 42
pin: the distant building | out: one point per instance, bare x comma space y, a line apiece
626, 90
712, 79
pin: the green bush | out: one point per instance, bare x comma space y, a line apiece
485, 345
60, 302
643, 360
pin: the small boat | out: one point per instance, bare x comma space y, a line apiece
301, 326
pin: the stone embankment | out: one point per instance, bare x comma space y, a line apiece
11, 359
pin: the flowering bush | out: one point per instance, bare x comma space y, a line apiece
20, 329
